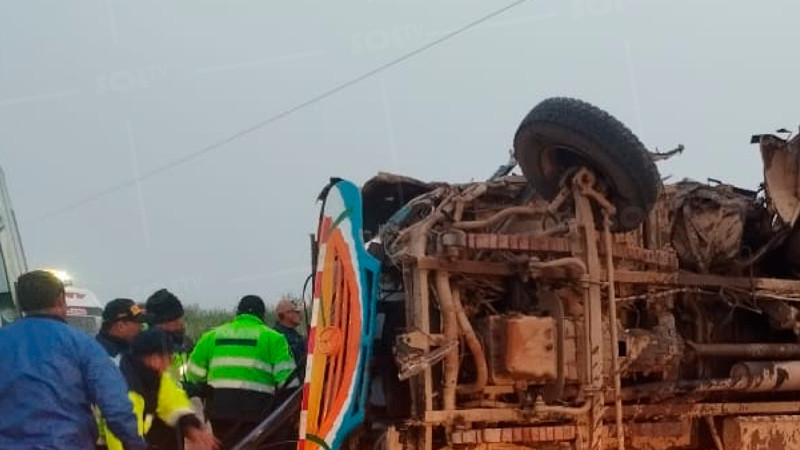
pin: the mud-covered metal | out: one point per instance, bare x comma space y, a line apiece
761, 433
531, 279
519, 322
782, 174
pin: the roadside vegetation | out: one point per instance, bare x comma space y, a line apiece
199, 320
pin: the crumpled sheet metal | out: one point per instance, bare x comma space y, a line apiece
707, 225
782, 175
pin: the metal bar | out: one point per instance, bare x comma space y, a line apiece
623, 276
695, 279
718, 281
612, 319
274, 422
750, 376
450, 331
543, 243
747, 350
638, 412
631, 412
418, 316
762, 376
663, 389
474, 345
714, 433
593, 309
505, 213
468, 267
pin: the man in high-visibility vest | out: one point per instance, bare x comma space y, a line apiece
244, 362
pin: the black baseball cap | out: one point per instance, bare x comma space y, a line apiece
122, 309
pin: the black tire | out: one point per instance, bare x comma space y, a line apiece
560, 134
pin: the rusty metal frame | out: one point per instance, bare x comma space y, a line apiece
577, 255
664, 259
630, 412
593, 316
614, 338
768, 287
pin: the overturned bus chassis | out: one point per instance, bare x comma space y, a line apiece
581, 305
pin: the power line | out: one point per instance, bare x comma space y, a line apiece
190, 156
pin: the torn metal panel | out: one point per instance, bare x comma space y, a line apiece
708, 223
782, 174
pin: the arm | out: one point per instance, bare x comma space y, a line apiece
108, 390
199, 359
172, 401
138, 409
280, 358
175, 409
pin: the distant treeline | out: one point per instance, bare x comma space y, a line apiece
199, 320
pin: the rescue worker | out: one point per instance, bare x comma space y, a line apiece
290, 316
122, 321
52, 374
154, 393
244, 363
165, 312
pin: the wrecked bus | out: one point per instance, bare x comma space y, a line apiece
581, 304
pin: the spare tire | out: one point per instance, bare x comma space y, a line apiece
561, 134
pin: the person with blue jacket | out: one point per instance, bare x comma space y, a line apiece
51, 374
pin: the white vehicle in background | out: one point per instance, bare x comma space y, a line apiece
84, 310
12, 258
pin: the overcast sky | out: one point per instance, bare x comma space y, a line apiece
97, 93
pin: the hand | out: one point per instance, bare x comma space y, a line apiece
202, 438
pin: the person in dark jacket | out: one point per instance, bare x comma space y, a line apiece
290, 316
52, 374
165, 312
122, 321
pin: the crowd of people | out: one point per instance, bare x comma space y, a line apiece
130, 387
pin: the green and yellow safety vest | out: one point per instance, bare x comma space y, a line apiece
170, 405
242, 354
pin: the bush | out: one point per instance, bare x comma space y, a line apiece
199, 320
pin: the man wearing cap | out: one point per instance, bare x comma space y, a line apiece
122, 321
245, 363
289, 316
52, 374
